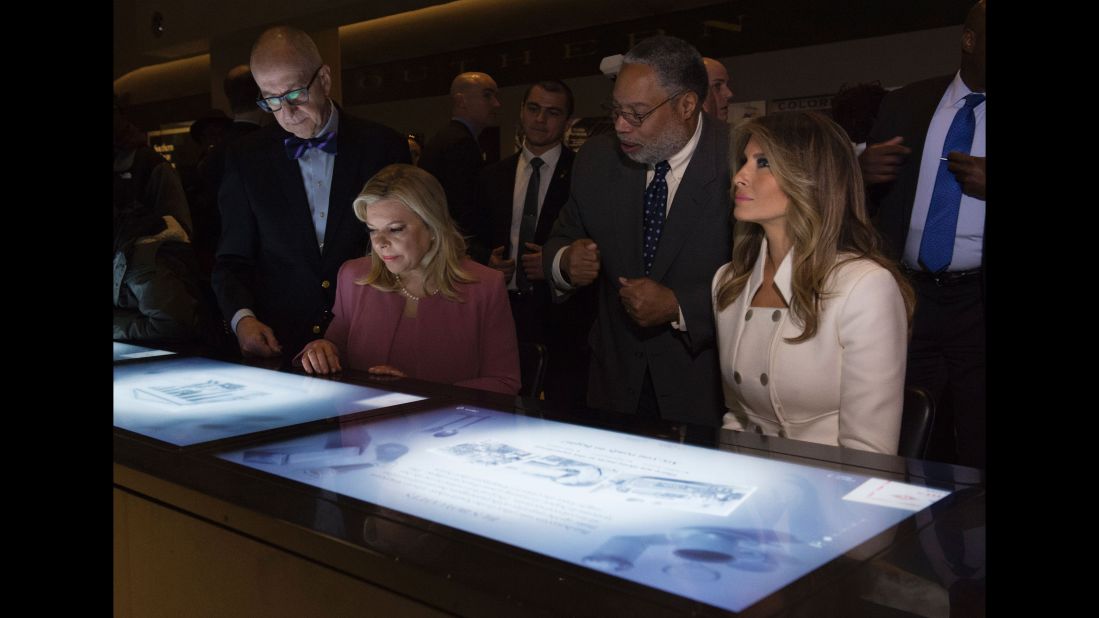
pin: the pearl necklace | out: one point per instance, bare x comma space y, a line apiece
409, 295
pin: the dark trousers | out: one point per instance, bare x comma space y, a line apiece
946, 355
648, 405
564, 335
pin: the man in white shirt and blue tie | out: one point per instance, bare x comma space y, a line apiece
925, 169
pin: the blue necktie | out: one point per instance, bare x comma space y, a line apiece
656, 202
937, 244
296, 146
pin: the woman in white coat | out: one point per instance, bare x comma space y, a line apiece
812, 319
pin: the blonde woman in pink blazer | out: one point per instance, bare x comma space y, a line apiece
812, 319
417, 306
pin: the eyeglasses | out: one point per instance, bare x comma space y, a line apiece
633, 118
293, 97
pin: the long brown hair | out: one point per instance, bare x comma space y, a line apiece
814, 164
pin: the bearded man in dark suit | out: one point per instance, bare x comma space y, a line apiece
648, 224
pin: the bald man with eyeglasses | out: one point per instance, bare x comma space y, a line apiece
648, 223
285, 200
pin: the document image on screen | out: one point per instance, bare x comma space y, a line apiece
189, 390
720, 528
186, 401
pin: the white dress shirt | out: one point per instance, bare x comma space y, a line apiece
969, 237
523, 171
316, 173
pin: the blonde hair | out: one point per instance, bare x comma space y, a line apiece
423, 195
814, 164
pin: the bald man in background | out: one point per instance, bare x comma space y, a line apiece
717, 98
454, 157
285, 200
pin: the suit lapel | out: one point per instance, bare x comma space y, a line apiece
385, 321
556, 195
689, 199
918, 121
343, 189
502, 184
289, 177
625, 207
743, 302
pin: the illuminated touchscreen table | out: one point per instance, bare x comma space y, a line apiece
129, 351
719, 528
186, 401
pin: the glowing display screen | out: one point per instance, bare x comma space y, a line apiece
127, 351
720, 528
187, 401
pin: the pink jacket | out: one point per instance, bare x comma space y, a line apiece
470, 343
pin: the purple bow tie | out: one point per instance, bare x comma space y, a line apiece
296, 146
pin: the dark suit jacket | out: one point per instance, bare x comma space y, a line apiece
906, 112
540, 319
213, 166
606, 205
455, 159
496, 191
268, 259
204, 208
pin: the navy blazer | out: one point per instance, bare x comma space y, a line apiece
906, 112
268, 259
454, 157
496, 192
540, 319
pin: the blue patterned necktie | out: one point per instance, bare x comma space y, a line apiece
937, 244
296, 146
528, 225
656, 202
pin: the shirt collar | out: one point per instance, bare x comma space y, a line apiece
549, 157
957, 91
784, 275
467, 125
333, 123
679, 161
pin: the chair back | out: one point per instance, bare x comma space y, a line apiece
532, 368
917, 416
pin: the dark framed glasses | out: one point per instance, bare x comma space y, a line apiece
292, 97
633, 118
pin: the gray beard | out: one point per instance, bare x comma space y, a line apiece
667, 144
